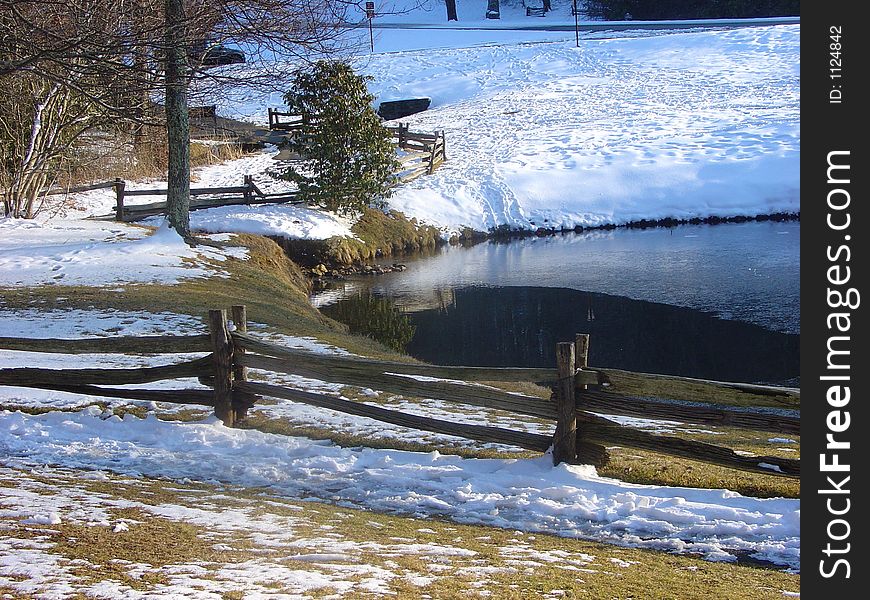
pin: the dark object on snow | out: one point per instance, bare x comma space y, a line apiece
493, 10
222, 55
402, 108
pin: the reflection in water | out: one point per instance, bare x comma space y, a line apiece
649, 297
378, 318
746, 272
520, 326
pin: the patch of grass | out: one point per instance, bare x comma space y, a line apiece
273, 288
457, 560
377, 234
651, 468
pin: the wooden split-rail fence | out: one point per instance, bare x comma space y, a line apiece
246, 194
576, 404
421, 153
211, 197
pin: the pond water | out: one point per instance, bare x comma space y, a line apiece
719, 302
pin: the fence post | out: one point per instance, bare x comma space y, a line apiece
581, 353
119, 198
222, 347
249, 188
565, 438
240, 373
586, 452
443, 145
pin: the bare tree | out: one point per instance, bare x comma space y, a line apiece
121, 58
451, 10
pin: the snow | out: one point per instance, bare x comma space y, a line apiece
548, 135
92, 253
540, 133
632, 125
528, 495
668, 124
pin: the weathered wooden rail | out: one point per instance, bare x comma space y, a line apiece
246, 194
285, 121
421, 152
578, 405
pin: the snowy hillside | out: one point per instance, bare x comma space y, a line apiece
637, 125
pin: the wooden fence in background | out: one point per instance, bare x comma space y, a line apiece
246, 194
285, 121
421, 153
575, 406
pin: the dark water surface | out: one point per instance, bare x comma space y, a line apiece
719, 302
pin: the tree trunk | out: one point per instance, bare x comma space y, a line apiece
451, 10
177, 122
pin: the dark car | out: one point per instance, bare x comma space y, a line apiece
222, 55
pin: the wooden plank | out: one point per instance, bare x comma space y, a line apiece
414, 156
409, 178
78, 188
417, 147
238, 189
414, 174
604, 431
30, 377
375, 366
182, 396
592, 454
421, 137
139, 211
474, 395
604, 402
155, 344
257, 190
751, 388
222, 362
480, 433
565, 437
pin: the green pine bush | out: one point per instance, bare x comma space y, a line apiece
348, 158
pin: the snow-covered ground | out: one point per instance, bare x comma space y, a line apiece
548, 135
80, 252
528, 494
539, 134
682, 123
524, 494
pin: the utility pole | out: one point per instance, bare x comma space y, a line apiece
576, 25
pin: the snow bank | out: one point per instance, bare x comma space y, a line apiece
629, 127
548, 135
529, 495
